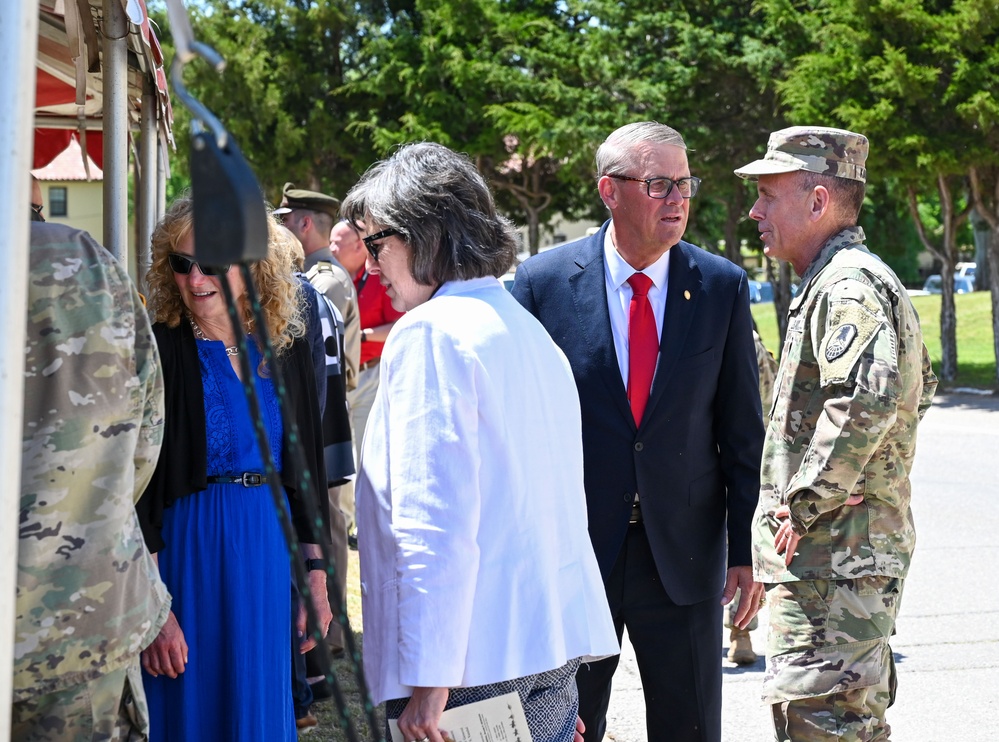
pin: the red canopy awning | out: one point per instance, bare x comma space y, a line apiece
51, 91
50, 143
69, 92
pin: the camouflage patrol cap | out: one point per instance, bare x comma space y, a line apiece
816, 149
297, 198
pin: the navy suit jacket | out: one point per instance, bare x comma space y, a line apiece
695, 458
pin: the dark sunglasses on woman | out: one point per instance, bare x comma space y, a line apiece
182, 264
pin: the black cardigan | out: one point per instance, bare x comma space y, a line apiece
182, 466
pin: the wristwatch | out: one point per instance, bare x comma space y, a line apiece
314, 564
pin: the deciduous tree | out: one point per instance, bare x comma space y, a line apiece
907, 74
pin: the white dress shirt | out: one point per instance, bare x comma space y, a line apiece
476, 564
619, 293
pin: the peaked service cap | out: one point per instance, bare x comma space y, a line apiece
297, 198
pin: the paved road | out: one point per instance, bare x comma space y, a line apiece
947, 647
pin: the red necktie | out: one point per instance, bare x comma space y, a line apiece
643, 345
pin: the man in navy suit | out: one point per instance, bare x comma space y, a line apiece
671, 471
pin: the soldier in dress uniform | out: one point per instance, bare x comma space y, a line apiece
833, 533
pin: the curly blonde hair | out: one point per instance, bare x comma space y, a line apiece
274, 280
284, 239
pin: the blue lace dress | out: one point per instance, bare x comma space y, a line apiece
226, 567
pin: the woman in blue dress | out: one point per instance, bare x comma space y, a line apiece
221, 667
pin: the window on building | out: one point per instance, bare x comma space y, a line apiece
58, 201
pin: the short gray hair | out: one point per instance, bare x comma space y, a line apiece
849, 193
618, 150
443, 209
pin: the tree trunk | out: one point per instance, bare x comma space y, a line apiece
982, 231
993, 261
533, 229
948, 322
987, 204
947, 254
533, 199
952, 220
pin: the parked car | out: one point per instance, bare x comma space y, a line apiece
760, 292
962, 284
966, 270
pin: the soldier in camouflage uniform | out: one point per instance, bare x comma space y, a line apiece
740, 643
833, 533
89, 596
768, 372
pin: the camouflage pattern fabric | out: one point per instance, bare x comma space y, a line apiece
830, 672
89, 596
817, 149
767, 365
111, 708
854, 382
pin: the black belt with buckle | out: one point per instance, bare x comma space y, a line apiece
636, 515
369, 364
247, 479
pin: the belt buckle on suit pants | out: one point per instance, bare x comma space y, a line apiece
636, 515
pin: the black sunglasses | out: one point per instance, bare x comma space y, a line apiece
369, 241
182, 264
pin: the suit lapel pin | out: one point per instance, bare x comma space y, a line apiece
686, 295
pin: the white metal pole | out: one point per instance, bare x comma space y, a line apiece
115, 115
18, 47
146, 195
161, 178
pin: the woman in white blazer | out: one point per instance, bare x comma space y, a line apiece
477, 573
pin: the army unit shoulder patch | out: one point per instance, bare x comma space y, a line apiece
839, 343
852, 327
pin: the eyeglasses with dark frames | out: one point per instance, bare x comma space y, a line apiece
662, 187
371, 239
182, 265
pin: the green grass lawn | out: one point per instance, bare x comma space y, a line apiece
329, 729
976, 366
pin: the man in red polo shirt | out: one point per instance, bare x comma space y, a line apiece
377, 318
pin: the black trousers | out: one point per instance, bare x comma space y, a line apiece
678, 649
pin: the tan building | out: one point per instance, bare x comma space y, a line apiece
73, 191
73, 194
